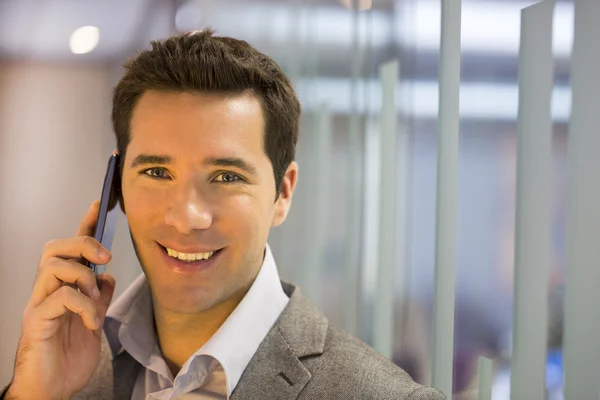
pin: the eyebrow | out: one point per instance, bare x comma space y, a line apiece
144, 159
239, 163
232, 162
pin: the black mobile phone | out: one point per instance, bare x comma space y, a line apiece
109, 210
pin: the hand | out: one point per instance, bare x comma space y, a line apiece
62, 326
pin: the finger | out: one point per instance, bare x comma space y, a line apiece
76, 248
56, 272
107, 284
68, 299
88, 222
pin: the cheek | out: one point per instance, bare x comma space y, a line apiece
143, 205
247, 217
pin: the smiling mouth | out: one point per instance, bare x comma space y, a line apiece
189, 257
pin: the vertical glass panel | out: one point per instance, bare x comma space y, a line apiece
532, 235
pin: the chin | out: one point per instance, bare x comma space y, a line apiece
186, 300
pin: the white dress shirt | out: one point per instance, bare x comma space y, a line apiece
214, 370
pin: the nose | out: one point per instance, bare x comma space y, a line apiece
188, 212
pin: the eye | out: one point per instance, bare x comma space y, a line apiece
155, 173
227, 177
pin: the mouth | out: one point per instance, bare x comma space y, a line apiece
189, 262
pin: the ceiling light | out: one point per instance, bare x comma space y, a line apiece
84, 39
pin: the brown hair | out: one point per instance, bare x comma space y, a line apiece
201, 62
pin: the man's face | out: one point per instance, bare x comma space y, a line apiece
196, 180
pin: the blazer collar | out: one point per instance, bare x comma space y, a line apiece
276, 370
302, 324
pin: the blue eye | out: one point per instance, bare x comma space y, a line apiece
155, 173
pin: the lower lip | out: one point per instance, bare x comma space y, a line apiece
184, 267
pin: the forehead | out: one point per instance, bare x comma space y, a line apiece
189, 123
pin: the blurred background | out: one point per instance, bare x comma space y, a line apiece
55, 137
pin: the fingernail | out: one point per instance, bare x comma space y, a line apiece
98, 321
102, 253
95, 293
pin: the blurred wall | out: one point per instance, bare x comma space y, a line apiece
55, 138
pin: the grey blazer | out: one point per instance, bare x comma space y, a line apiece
302, 357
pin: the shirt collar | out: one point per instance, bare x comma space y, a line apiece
236, 341
130, 324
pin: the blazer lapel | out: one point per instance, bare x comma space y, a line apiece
126, 370
276, 371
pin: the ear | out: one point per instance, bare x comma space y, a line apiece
284, 201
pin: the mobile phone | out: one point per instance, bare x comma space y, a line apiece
109, 210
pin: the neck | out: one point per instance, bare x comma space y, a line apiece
181, 335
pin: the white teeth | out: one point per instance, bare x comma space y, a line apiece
189, 256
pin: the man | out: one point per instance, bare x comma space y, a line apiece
206, 128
